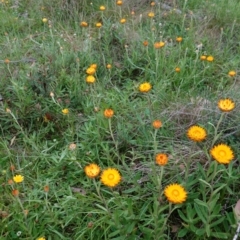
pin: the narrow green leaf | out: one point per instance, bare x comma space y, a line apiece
220, 235
201, 212
183, 232
200, 202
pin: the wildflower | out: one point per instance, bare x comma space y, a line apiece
145, 87
151, 14
10, 182
123, 20
108, 113
15, 192
196, 133
152, 4
18, 178
65, 111
226, 105
145, 43
8, 110
156, 124
110, 177
132, 12
94, 65
92, 170
83, 24
108, 66
119, 3
90, 79
222, 153
12, 167
210, 58
98, 25
232, 73
161, 159
44, 20
46, 188
159, 45
203, 57
25, 212
7, 61
90, 70
175, 193
51, 94
72, 146
177, 69
102, 8
41, 238
179, 39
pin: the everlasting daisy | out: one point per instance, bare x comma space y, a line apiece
90, 70
108, 113
232, 74
179, 39
123, 20
109, 66
102, 8
18, 178
156, 124
44, 20
7, 61
222, 153
65, 111
98, 25
226, 105
145, 43
92, 170
159, 45
152, 4
161, 159
41, 238
119, 3
196, 133
210, 58
203, 57
175, 193
110, 177
90, 79
177, 69
151, 14
15, 192
83, 24
145, 87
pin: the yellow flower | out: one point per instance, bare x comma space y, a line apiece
177, 69
210, 58
151, 14
161, 159
156, 124
119, 3
232, 73
18, 178
44, 20
94, 65
123, 20
108, 113
110, 177
102, 8
90, 70
226, 105
196, 133
65, 111
83, 24
179, 39
145, 87
203, 57
90, 79
222, 153
175, 193
41, 238
92, 170
109, 66
159, 44
98, 25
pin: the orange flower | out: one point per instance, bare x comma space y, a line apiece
90, 70
119, 3
90, 79
7, 61
203, 57
12, 167
145, 43
98, 25
210, 58
159, 44
232, 74
83, 24
109, 66
157, 124
46, 188
179, 39
15, 192
108, 113
152, 4
94, 65
92, 170
161, 159
177, 69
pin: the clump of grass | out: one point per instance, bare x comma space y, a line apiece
119, 120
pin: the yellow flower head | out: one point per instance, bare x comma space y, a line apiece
177, 69
108, 113
222, 153
41, 238
92, 170
83, 24
175, 193
210, 58
123, 20
232, 74
161, 159
196, 133
110, 177
179, 39
18, 178
102, 8
94, 65
226, 105
108, 66
145, 87
156, 124
90, 79
159, 44
152, 4
65, 111
203, 57
44, 20
90, 70
151, 14
98, 25
119, 3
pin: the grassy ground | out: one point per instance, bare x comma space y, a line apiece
53, 123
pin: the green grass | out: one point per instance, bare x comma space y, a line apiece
47, 73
